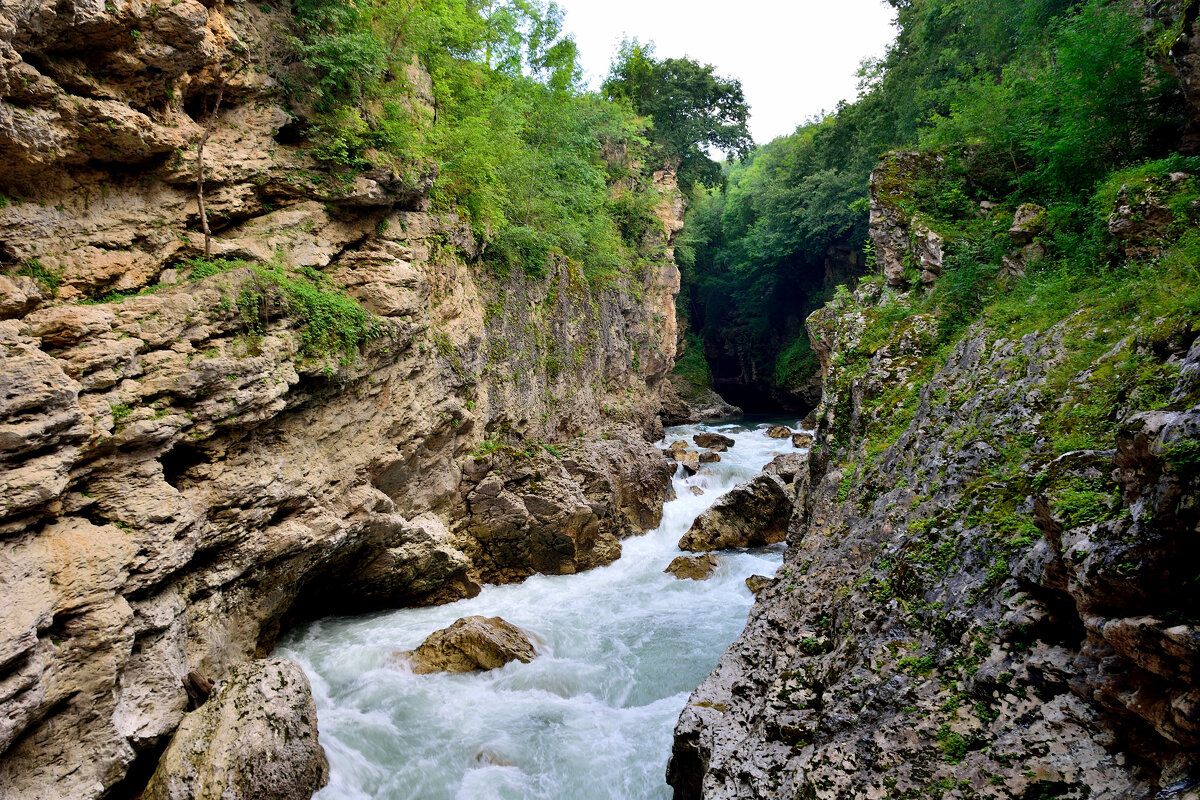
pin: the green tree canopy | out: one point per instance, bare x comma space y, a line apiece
693, 108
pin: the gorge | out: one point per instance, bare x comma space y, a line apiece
325, 324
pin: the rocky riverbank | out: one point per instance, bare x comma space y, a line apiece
989, 587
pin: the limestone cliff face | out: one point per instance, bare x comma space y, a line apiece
970, 605
183, 471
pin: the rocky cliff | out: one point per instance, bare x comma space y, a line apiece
990, 582
342, 409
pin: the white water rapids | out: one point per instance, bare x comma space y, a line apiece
621, 648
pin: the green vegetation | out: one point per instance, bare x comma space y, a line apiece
543, 168
691, 363
47, 278
330, 323
1060, 103
692, 109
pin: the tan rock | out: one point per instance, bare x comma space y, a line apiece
779, 432
710, 457
472, 643
695, 568
757, 584
802, 439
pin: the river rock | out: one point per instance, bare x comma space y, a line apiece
802, 439
710, 457
758, 583
713, 441
696, 491
690, 461
779, 432
255, 737
787, 466
750, 515
696, 568
472, 643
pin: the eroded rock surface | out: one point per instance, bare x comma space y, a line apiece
472, 643
183, 473
934, 631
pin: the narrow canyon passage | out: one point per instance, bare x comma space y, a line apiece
621, 649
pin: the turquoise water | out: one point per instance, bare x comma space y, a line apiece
621, 648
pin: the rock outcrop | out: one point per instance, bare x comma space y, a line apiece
470, 644
970, 606
256, 736
190, 459
696, 568
752, 514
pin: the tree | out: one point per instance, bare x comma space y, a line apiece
693, 109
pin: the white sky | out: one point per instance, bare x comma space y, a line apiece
795, 58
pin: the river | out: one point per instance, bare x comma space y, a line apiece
622, 647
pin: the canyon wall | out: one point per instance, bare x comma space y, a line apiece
196, 453
990, 587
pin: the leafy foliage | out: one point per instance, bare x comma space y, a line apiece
541, 167
692, 108
1022, 100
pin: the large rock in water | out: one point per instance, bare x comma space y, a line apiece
779, 432
713, 441
696, 568
472, 643
752, 514
256, 737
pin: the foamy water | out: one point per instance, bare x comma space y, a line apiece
622, 647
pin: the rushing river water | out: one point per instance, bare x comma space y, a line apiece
621, 649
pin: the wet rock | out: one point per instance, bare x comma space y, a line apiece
750, 515
472, 643
696, 491
710, 457
757, 584
696, 568
690, 461
713, 441
802, 439
779, 432
256, 736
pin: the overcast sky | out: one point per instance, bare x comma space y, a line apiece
795, 58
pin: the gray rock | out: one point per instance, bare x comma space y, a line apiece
256, 737
750, 515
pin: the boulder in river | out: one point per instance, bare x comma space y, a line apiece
696, 568
752, 514
713, 441
690, 460
256, 736
758, 583
472, 643
802, 439
779, 432
710, 457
